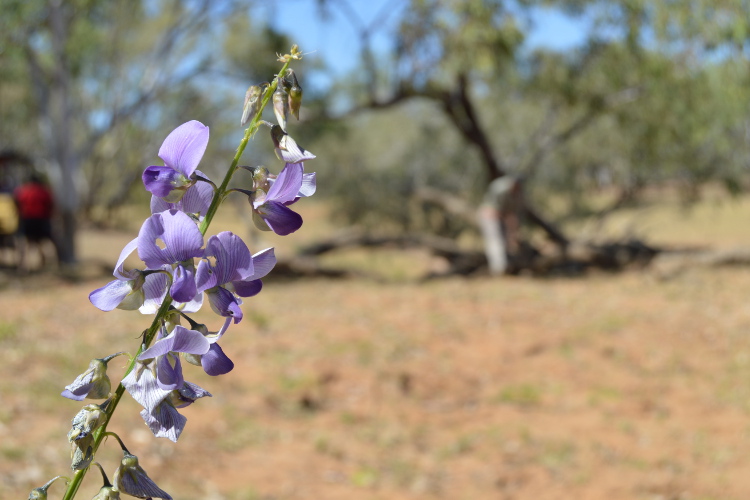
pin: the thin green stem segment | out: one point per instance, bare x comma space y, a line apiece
149, 334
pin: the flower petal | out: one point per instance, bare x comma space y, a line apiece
144, 388
281, 219
224, 303
183, 148
111, 295
124, 254
263, 263
176, 231
183, 284
287, 184
196, 199
247, 288
165, 421
215, 362
161, 181
309, 185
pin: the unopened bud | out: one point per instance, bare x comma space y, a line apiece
280, 104
107, 492
295, 95
41, 493
252, 103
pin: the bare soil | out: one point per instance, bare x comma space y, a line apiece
613, 387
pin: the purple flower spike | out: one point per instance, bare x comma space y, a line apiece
181, 151
272, 208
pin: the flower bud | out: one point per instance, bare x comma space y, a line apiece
131, 479
252, 103
295, 95
280, 104
106, 492
41, 493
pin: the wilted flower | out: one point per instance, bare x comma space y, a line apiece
181, 151
81, 437
93, 383
41, 492
131, 479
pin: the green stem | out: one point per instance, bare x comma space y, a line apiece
149, 335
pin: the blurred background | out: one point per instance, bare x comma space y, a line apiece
551, 142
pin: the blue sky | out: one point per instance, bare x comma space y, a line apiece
336, 43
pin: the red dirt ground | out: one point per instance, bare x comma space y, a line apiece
626, 386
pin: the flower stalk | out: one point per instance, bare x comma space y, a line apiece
177, 186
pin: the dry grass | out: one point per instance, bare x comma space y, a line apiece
611, 386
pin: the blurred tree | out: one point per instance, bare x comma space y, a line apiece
84, 81
647, 98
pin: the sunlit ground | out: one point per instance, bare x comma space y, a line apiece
624, 386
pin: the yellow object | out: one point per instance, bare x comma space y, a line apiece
8, 214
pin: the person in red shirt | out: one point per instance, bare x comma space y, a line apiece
35, 207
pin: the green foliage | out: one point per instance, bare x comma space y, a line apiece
653, 97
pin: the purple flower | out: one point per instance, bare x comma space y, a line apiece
160, 405
164, 420
165, 351
126, 292
172, 239
226, 259
271, 211
196, 200
181, 151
